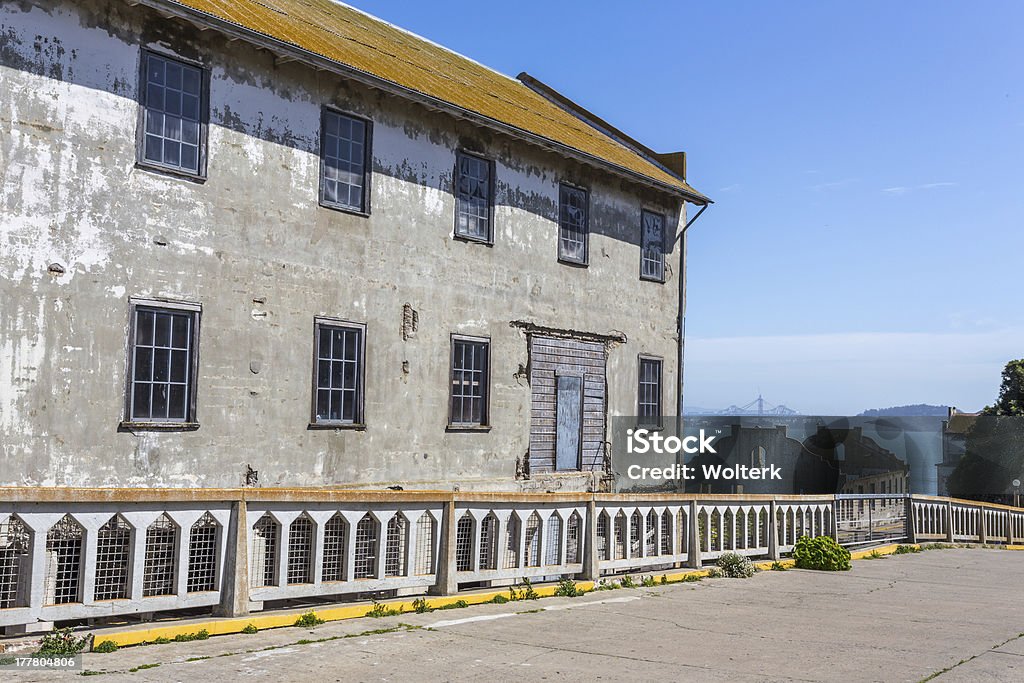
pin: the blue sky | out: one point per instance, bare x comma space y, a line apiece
865, 248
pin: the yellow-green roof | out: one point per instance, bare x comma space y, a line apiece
349, 37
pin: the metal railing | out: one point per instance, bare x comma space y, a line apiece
88, 554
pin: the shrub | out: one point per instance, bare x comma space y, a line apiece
647, 582
567, 588
735, 566
250, 629
161, 640
527, 593
420, 606
499, 599
627, 582
202, 634
105, 647
906, 549
822, 553
310, 619
61, 642
714, 573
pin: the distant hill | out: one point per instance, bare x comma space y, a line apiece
916, 410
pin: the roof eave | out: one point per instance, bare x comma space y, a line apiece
284, 49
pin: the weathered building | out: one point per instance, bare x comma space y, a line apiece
287, 244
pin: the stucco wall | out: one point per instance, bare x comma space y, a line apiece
70, 194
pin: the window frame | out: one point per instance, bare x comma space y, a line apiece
364, 210
359, 423
200, 175
644, 420
585, 261
664, 242
485, 424
456, 176
191, 420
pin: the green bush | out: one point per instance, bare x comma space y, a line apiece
499, 599
735, 566
647, 581
527, 593
906, 549
567, 588
420, 606
61, 643
627, 582
458, 604
310, 619
201, 634
250, 629
778, 567
105, 647
822, 553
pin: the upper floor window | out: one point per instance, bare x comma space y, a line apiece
162, 363
652, 246
649, 391
338, 390
345, 162
470, 380
174, 111
573, 228
474, 197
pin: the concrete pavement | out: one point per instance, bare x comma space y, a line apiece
954, 614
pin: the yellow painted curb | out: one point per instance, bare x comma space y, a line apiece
1015, 547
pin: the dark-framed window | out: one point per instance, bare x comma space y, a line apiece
175, 101
573, 224
345, 161
474, 197
649, 390
163, 352
470, 382
338, 373
652, 246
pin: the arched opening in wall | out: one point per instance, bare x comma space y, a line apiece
398, 541
604, 545
666, 533
64, 543
366, 548
15, 563
573, 532
683, 530
202, 555
266, 533
553, 540
620, 536
301, 533
532, 545
651, 534
636, 527
512, 541
113, 560
489, 542
335, 536
464, 543
425, 544
159, 575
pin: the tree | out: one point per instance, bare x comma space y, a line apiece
994, 449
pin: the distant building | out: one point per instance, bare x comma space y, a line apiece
954, 444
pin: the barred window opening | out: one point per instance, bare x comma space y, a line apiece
15, 547
64, 543
425, 544
161, 558
683, 530
113, 566
666, 533
162, 363
532, 546
202, 555
300, 550
572, 539
604, 545
366, 548
636, 527
263, 564
512, 542
469, 382
489, 542
398, 538
335, 535
464, 543
651, 535
339, 374
620, 536
649, 391
553, 540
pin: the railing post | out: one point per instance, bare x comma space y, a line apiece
591, 562
693, 558
773, 531
446, 581
1009, 528
949, 521
982, 526
234, 596
835, 518
911, 530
